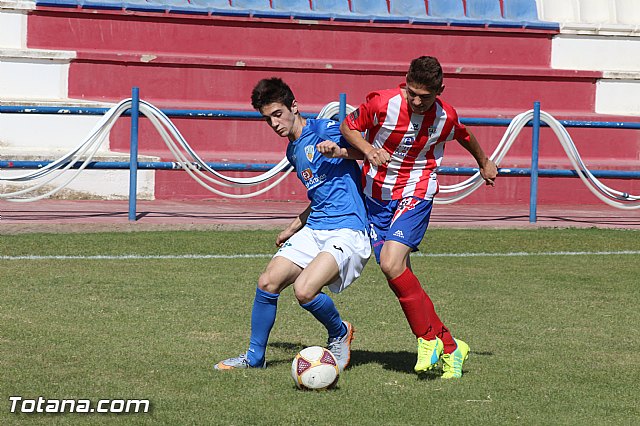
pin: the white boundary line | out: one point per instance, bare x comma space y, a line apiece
256, 255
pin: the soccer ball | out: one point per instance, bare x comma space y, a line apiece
315, 368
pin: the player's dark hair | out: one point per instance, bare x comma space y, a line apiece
425, 71
270, 90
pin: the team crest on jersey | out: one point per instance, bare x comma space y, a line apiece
306, 174
408, 203
309, 151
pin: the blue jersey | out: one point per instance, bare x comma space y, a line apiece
333, 184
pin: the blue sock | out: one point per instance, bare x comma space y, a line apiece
323, 309
263, 316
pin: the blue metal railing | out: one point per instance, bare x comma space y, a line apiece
133, 153
133, 165
533, 182
262, 167
252, 115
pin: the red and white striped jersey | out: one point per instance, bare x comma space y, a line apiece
415, 143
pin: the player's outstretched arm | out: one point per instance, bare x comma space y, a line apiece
375, 156
488, 169
293, 227
331, 149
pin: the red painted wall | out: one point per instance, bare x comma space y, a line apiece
207, 63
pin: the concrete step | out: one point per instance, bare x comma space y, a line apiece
34, 73
38, 137
619, 93
90, 184
595, 52
34, 132
616, 55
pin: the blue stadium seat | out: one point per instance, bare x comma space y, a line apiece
453, 12
332, 6
101, 4
292, 5
489, 12
259, 8
57, 3
186, 6
370, 7
526, 12
144, 5
484, 9
447, 9
298, 9
520, 10
377, 10
415, 11
338, 10
252, 4
415, 8
215, 7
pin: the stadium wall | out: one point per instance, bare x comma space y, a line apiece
212, 62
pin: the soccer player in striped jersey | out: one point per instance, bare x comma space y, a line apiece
407, 130
326, 245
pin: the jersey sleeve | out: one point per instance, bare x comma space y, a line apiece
329, 130
364, 117
460, 132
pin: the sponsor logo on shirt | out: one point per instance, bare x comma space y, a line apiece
405, 146
310, 180
432, 130
408, 140
306, 174
415, 126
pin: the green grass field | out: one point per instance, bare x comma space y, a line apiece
554, 337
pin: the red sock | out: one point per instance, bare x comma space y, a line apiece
419, 310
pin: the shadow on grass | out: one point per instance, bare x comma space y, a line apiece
398, 361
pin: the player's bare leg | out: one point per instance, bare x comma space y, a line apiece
320, 272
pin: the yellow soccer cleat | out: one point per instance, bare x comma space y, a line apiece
452, 363
429, 352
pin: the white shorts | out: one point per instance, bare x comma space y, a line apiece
351, 250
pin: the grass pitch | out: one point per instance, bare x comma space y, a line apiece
553, 337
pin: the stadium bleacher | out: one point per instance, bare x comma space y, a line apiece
484, 9
478, 13
627, 12
495, 63
298, 9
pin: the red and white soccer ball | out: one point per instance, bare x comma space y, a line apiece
315, 368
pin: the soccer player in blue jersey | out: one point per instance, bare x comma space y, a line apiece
326, 245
